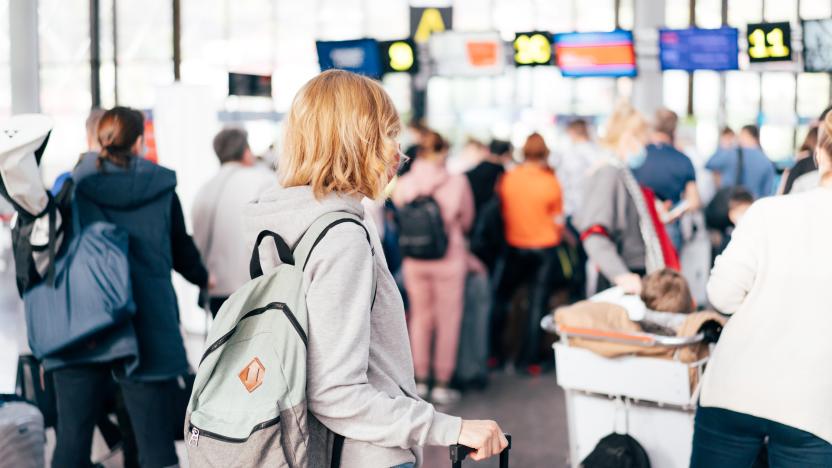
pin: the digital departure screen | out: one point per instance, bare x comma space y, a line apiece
595, 54
358, 56
769, 42
699, 49
817, 45
243, 84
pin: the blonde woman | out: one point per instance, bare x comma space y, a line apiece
768, 381
340, 147
619, 226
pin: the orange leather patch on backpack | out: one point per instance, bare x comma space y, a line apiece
252, 375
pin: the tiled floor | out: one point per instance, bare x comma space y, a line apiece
531, 409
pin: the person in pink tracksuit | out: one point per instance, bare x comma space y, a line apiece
436, 288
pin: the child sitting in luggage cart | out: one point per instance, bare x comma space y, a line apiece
665, 307
640, 356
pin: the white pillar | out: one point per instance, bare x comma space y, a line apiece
647, 88
23, 35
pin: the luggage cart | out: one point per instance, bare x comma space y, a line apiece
649, 398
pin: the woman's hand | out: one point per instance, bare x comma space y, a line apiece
485, 437
630, 283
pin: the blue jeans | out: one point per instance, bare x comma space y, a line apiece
727, 439
405, 465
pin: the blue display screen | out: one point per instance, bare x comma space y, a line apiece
699, 49
584, 54
358, 56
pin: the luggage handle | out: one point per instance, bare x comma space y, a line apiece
459, 452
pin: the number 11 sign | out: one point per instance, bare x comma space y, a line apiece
769, 42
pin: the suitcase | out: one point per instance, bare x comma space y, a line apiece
22, 438
459, 452
472, 357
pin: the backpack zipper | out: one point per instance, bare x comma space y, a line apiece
272, 306
196, 432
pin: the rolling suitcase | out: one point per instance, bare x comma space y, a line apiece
471, 360
22, 436
459, 452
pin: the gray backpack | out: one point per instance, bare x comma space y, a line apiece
248, 406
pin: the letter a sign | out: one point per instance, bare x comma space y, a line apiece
426, 21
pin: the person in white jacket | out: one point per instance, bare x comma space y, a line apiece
218, 214
769, 379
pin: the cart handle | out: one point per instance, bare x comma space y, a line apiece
641, 339
459, 452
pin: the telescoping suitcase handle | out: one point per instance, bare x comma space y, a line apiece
459, 452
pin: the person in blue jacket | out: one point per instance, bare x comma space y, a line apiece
118, 186
758, 175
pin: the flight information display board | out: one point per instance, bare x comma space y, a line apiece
699, 49
243, 84
769, 42
468, 54
817, 45
358, 56
583, 54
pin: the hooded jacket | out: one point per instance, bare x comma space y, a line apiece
141, 199
360, 380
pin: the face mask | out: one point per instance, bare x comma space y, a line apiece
636, 160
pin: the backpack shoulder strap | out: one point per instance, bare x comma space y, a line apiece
318, 230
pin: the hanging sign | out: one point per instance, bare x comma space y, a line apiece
425, 22
533, 48
468, 54
769, 42
399, 56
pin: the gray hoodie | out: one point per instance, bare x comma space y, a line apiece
360, 371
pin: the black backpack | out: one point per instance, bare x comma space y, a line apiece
488, 240
617, 451
421, 230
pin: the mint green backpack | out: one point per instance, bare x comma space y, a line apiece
248, 406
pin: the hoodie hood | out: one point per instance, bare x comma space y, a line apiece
423, 178
289, 212
123, 188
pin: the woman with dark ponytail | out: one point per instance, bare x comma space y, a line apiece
119, 186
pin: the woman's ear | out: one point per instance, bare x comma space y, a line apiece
138, 146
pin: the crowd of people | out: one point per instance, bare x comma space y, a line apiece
465, 252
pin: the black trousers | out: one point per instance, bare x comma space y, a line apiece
81, 391
537, 268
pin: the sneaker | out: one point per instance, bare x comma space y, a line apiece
444, 396
422, 390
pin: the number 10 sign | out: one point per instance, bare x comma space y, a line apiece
769, 42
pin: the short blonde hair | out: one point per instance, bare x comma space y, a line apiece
625, 120
340, 136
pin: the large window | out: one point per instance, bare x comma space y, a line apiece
145, 50
63, 33
5, 68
